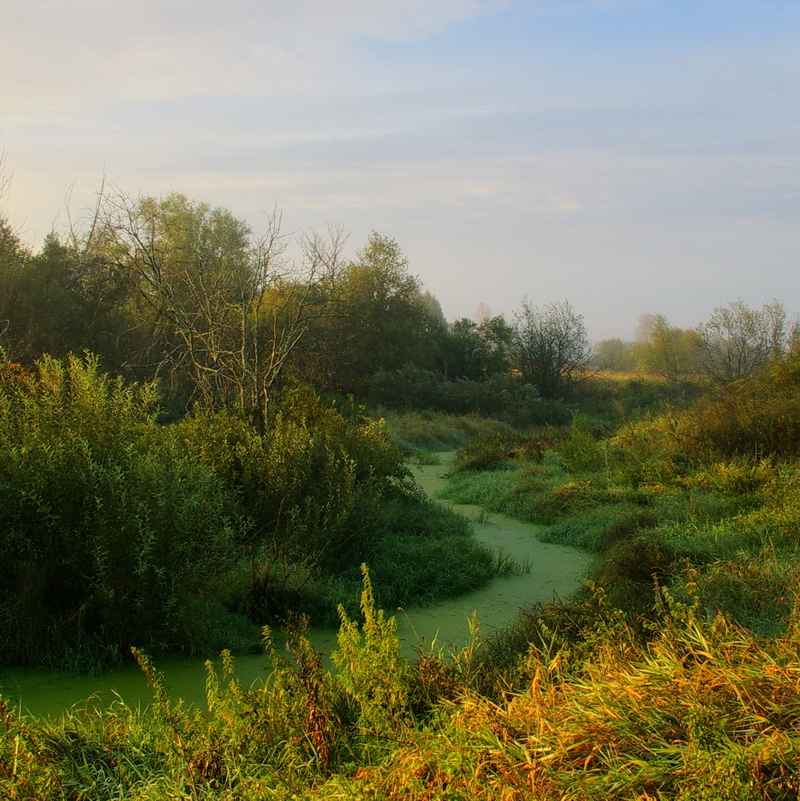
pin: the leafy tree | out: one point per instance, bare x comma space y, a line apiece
668, 351
383, 317
13, 258
433, 306
738, 342
550, 346
614, 354
475, 351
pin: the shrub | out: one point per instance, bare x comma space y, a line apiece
487, 452
110, 531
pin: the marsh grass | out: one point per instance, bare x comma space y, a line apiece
701, 486
418, 433
483, 517
593, 707
426, 458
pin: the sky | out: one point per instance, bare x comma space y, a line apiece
629, 156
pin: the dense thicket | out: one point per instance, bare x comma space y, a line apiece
117, 531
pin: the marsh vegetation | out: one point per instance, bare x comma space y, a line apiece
230, 450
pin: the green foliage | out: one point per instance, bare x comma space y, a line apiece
14, 257
488, 452
712, 484
614, 354
110, 532
327, 492
739, 342
428, 431
504, 397
371, 669
587, 704
383, 322
550, 346
474, 351
119, 531
668, 351
581, 452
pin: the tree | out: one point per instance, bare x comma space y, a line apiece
667, 351
383, 317
614, 354
474, 351
739, 342
14, 257
218, 309
550, 346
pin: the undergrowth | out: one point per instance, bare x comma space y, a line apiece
713, 484
117, 530
594, 706
421, 434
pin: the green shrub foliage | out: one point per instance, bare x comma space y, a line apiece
118, 531
109, 529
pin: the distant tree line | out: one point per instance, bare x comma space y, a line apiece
174, 289
736, 342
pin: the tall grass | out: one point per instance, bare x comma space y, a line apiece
711, 484
594, 709
420, 433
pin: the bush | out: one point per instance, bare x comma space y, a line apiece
110, 531
487, 452
117, 531
502, 396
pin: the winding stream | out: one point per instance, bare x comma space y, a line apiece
554, 571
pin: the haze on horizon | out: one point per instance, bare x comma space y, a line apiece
632, 156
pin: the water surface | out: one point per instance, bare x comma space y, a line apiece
555, 571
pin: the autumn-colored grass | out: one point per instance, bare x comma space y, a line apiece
696, 708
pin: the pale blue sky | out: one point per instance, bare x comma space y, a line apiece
632, 156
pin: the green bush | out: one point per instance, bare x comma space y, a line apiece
488, 452
581, 452
118, 531
110, 531
501, 396
430, 431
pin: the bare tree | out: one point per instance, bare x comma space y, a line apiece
738, 342
220, 309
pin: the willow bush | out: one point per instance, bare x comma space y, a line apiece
119, 531
110, 532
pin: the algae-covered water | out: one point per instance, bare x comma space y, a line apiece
555, 571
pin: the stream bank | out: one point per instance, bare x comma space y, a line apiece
555, 571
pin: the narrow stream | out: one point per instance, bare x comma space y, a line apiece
555, 571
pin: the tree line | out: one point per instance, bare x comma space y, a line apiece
736, 342
223, 316
174, 289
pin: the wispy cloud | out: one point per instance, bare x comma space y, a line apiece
85, 52
621, 152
